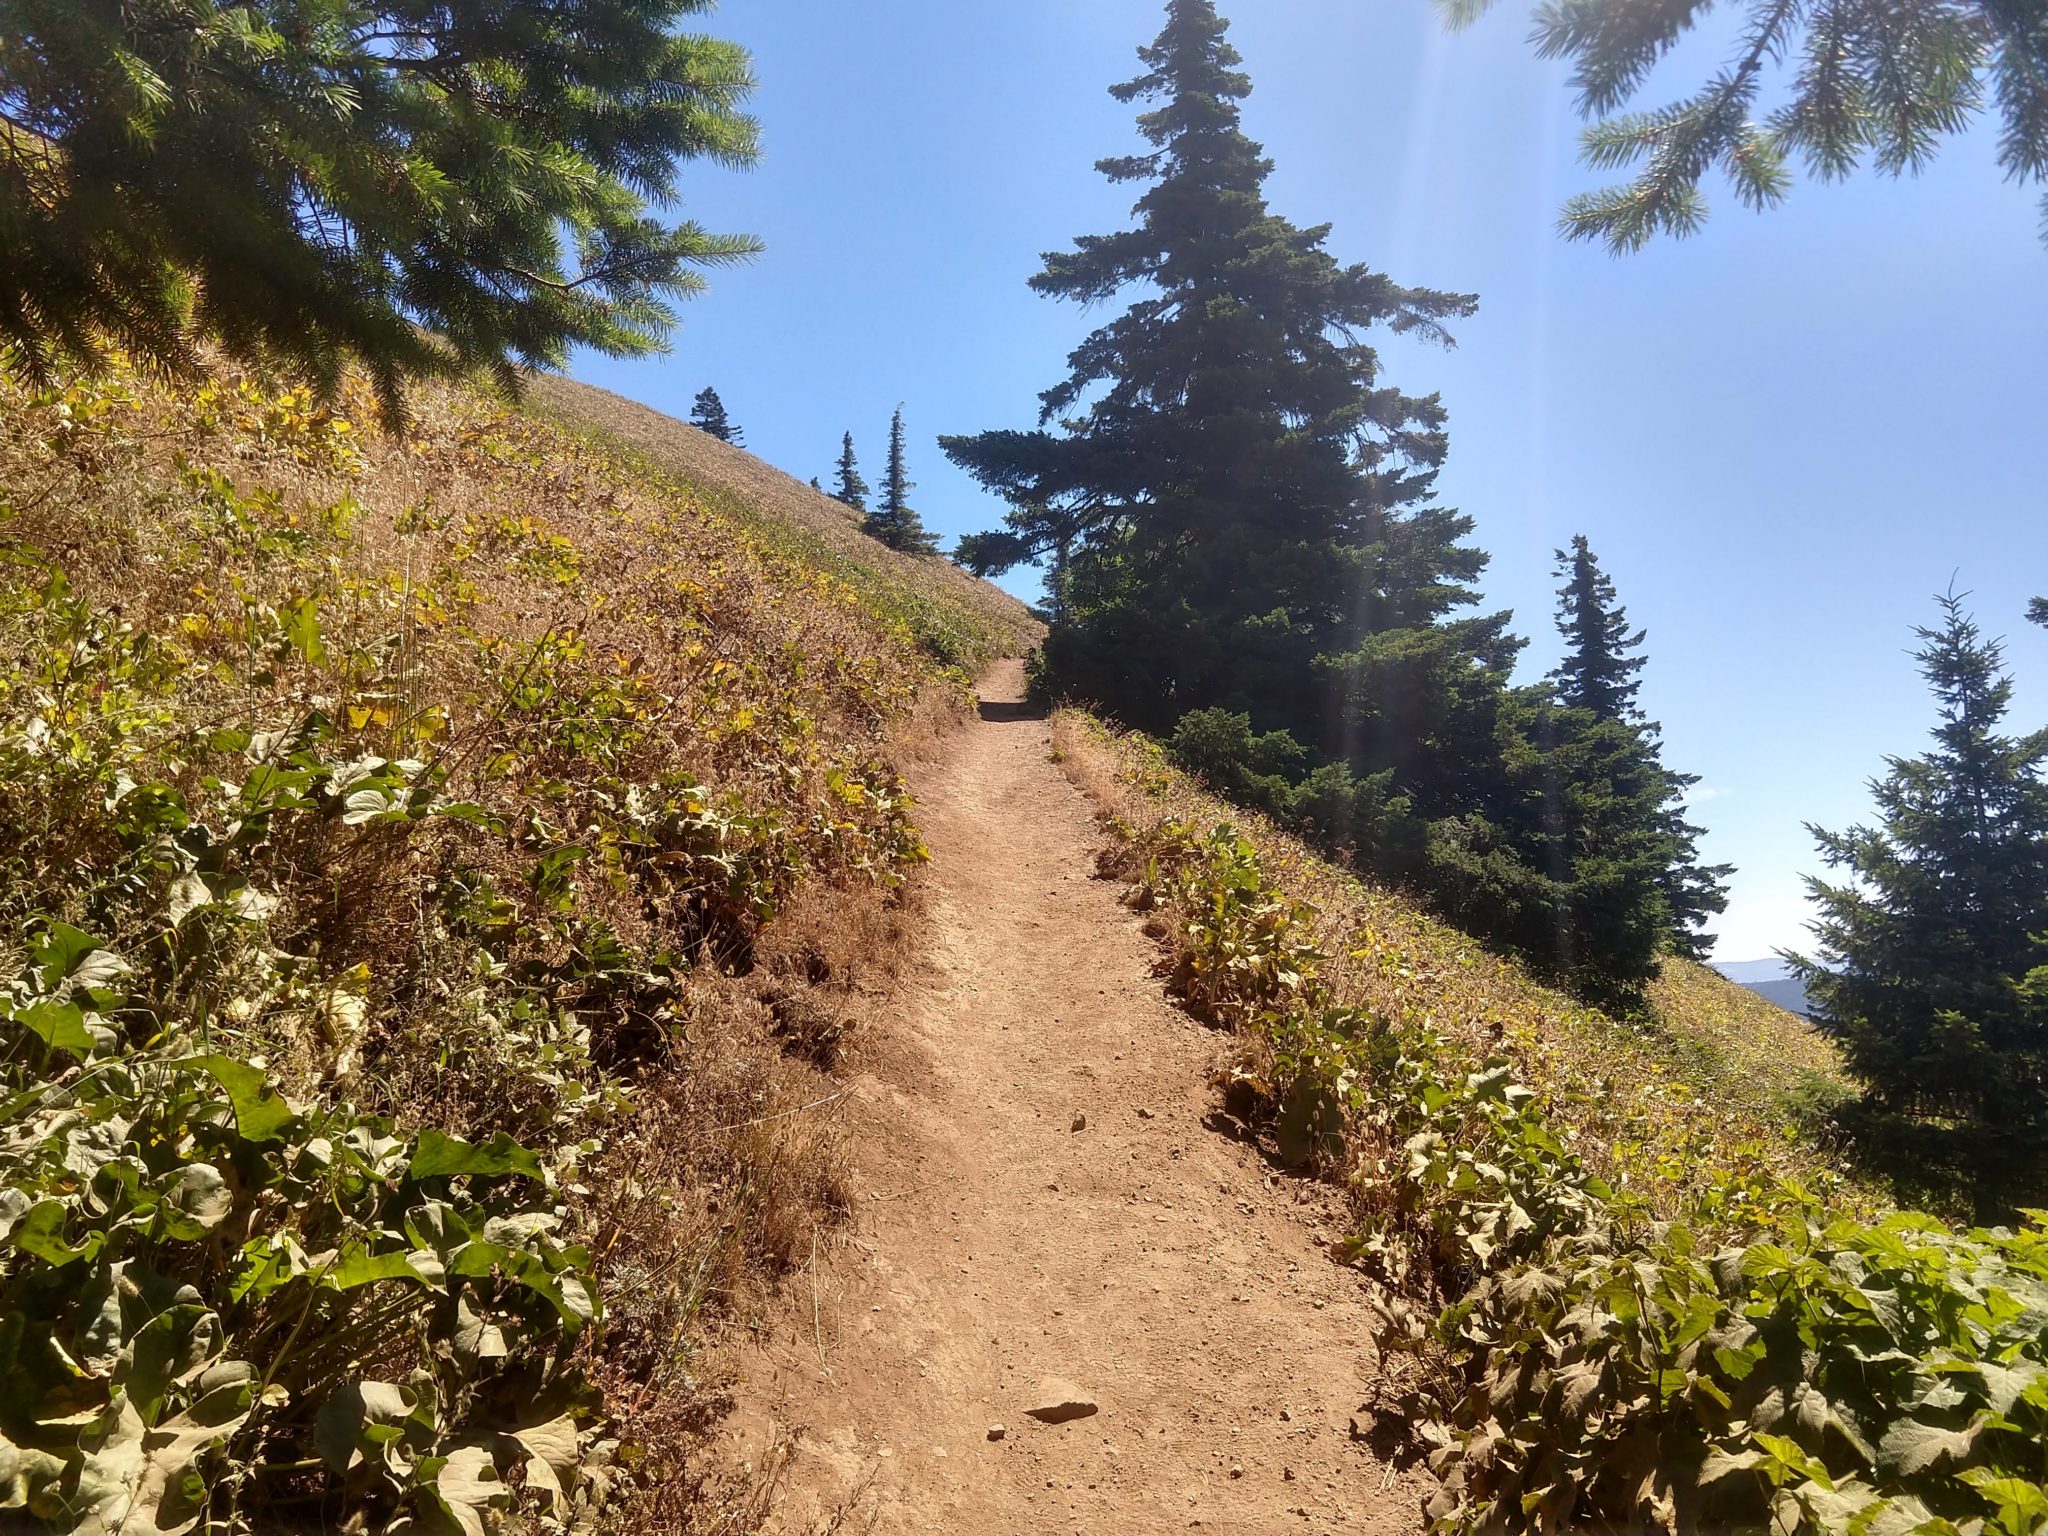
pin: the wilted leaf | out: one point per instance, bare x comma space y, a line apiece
354, 1420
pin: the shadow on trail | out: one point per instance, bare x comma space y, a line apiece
1007, 712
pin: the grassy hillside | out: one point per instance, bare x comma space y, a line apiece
1712, 1079
433, 874
1635, 1302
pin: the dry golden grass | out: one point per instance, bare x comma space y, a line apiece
1706, 1081
557, 627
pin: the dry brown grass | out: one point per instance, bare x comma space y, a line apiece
557, 628
1705, 1082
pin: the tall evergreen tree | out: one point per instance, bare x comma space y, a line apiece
1932, 966
707, 414
2037, 611
1229, 469
429, 189
1598, 672
848, 486
1601, 676
1247, 557
892, 520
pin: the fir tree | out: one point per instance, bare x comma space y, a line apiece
892, 520
707, 414
1237, 506
1601, 675
1857, 86
848, 486
1932, 966
1598, 672
817, 485
1228, 467
2037, 611
431, 190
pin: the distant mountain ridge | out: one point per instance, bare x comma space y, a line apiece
1771, 980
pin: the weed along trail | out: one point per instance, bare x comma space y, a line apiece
1043, 1222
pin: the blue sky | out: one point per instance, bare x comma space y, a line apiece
1781, 435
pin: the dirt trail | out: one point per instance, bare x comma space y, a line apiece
1159, 1266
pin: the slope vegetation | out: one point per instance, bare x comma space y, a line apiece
1635, 1301
435, 872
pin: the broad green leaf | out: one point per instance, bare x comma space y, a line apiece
2020, 1506
301, 623
465, 1483
552, 1457
169, 1350
1911, 1447
261, 1113
41, 1233
25, 1473
60, 1025
439, 1156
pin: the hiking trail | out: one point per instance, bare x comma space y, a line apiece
1158, 1266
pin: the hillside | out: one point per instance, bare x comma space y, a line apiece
439, 874
1710, 1079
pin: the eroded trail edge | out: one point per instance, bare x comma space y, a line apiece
1038, 1199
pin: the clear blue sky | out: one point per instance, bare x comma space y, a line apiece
1781, 435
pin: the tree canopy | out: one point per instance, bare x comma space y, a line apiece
848, 486
708, 414
892, 520
1833, 84
1932, 963
427, 189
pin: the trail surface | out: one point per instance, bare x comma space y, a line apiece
1156, 1265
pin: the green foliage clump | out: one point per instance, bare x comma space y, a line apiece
1751, 1361
429, 191
1859, 87
1932, 972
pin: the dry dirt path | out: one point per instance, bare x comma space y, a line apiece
1158, 1265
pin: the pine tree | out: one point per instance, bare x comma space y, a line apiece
1229, 466
1597, 672
430, 190
849, 487
892, 520
707, 414
1932, 966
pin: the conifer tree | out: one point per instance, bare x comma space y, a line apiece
1247, 559
1598, 672
430, 189
2037, 611
1228, 468
1859, 85
707, 414
1600, 676
848, 486
1932, 965
892, 520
